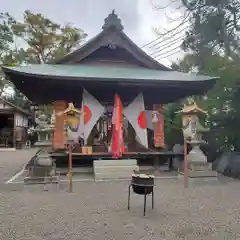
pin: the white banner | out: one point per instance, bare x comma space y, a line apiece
136, 115
92, 112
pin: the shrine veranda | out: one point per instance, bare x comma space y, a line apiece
108, 64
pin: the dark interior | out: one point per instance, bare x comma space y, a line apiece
6, 130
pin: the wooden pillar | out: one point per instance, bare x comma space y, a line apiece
14, 131
58, 135
159, 127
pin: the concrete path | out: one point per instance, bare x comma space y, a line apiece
11, 163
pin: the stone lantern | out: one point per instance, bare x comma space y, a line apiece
192, 133
71, 138
70, 112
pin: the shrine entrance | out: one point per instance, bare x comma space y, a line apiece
108, 67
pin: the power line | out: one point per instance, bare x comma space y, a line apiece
170, 31
156, 42
167, 51
164, 46
161, 48
169, 54
180, 31
180, 37
167, 45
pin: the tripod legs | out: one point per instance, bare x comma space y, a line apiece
153, 198
129, 193
145, 199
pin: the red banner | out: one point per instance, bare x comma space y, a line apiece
159, 126
117, 129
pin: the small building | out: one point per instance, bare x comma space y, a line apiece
13, 125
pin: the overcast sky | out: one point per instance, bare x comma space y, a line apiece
138, 17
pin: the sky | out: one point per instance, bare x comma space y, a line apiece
139, 17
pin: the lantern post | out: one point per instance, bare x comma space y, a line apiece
185, 169
70, 141
192, 130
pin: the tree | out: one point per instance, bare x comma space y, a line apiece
46, 40
213, 48
213, 27
173, 124
222, 102
6, 41
6, 34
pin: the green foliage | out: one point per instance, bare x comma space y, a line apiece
222, 102
213, 26
44, 41
212, 47
6, 34
6, 41
173, 124
47, 110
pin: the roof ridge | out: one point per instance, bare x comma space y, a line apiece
14, 106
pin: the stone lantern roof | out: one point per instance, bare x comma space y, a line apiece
192, 109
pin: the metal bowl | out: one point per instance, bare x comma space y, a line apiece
142, 184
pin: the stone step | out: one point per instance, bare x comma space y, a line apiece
122, 162
114, 169
41, 180
109, 176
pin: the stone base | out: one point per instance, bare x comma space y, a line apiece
7, 149
43, 144
114, 169
196, 170
201, 174
200, 181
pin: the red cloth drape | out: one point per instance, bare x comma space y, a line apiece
117, 128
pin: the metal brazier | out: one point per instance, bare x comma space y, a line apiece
142, 184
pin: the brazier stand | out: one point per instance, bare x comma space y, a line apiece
142, 186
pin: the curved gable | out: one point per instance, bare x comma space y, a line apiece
113, 37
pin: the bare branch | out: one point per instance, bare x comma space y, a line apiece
185, 20
171, 19
159, 7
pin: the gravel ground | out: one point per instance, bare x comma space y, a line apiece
206, 210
